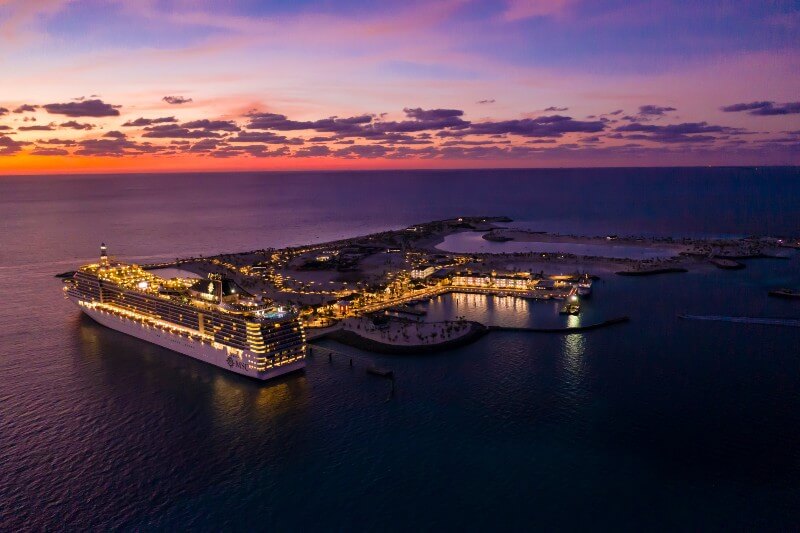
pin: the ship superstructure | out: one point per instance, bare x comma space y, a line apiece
214, 319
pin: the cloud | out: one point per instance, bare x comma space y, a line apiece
5, 128
490, 101
432, 114
673, 133
36, 128
114, 135
85, 108
686, 127
173, 131
275, 121
3, 111
149, 121
176, 100
369, 151
764, 108
58, 142
111, 147
25, 107
212, 125
556, 109
50, 151
313, 151
206, 145
9, 146
654, 110
363, 125
265, 137
544, 126
75, 125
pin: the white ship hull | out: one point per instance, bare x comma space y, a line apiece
206, 352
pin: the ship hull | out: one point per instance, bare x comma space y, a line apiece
177, 343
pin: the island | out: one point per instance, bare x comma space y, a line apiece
364, 290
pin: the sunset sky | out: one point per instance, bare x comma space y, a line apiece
148, 85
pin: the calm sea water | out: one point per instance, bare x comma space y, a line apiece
659, 423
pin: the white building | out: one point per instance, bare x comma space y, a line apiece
422, 273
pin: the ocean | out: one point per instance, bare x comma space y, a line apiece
660, 423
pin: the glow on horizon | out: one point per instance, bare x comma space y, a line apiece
449, 84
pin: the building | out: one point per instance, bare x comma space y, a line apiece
493, 281
422, 273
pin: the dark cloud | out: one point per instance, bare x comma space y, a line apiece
85, 108
5, 128
489, 101
206, 145
259, 150
654, 110
363, 125
212, 125
686, 127
431, 114
557, 109
764, 108
544, 126
313, 151
403, 138
673, 133
173, 131
36, 128
75, 125
264, 137
462, 142
112, 147
3, 111
26, 107
57, 142
149, 121
49, 151
277, 122
9, 146
176, 100
114, 134
253, 150
368, 151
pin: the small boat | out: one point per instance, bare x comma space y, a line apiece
785, 293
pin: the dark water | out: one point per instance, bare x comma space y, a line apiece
659, 423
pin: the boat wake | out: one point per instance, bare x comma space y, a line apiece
746, 320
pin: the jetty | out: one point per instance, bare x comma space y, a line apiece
568, 329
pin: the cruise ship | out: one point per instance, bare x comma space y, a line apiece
213, 320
